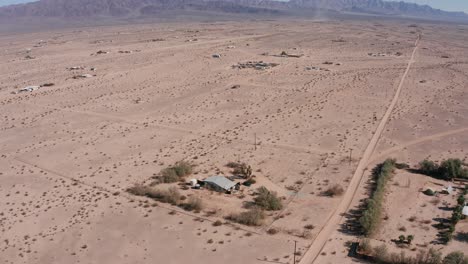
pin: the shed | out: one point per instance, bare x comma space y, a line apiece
221, 184
465, 210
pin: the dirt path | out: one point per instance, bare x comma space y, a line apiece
337, 215
419, 141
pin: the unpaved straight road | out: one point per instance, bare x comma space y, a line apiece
336, 217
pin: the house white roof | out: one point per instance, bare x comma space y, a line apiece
465, 210
221, 181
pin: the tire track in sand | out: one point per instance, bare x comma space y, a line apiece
336, 216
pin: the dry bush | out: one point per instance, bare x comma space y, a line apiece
252, 217
175, 173
335, 190
365, 247
310, 227
272, 231
193, 204
139, 189
306, 234
171, 195
217, 223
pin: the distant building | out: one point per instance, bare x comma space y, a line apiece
221, 184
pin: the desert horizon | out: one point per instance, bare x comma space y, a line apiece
286, 140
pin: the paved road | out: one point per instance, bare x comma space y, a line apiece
336, 217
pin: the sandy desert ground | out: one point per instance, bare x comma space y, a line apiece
157, 96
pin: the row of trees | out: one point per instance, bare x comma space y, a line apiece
446, 170
371, 216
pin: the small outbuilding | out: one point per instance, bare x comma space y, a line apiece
221, 184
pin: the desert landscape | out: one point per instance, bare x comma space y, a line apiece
107, 133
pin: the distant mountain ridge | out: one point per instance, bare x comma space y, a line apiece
377, 6
128, 8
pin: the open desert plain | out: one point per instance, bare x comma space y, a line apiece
306, 109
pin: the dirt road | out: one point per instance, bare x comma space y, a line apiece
337, 215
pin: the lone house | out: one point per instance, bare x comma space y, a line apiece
221, 184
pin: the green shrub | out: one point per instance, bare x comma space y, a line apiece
267, 200
429, 192
252, 217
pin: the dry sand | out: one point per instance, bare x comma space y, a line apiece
69, 151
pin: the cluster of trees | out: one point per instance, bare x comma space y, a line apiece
447, 169
381, 255
371, 216
456, 217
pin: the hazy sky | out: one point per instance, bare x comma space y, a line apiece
452, 5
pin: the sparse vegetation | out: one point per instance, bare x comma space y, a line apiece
267, 200
372, 214
252, 217
335, 190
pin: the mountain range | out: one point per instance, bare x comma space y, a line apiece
138, 8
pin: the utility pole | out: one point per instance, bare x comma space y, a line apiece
255, 140
294, 255
350, 155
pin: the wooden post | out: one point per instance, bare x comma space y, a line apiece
294, 255
255, 141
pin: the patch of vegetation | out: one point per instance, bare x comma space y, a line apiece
193, 204
175, 173
335, 190
429, 192
267, 200
252, 217
446, 170
371, 216
171, 195
456, 257
381, 255
241, 169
